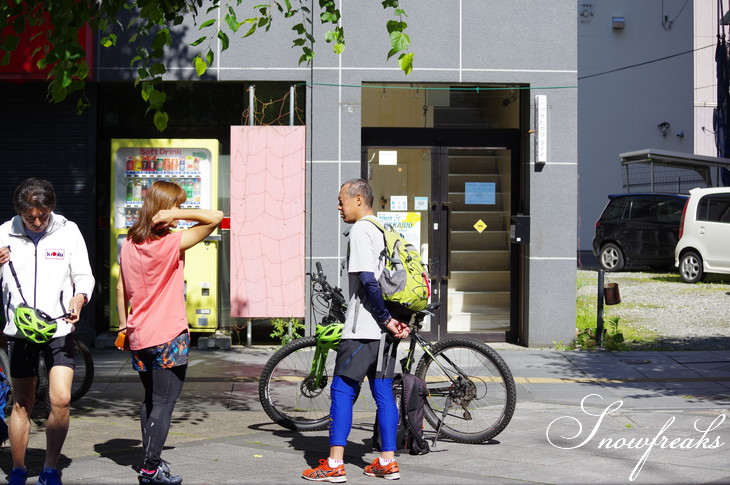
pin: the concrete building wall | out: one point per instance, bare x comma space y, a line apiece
630, 81
455, 41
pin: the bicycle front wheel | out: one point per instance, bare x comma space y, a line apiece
289, 391
479, 401
83, 370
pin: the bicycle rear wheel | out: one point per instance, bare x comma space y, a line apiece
287, 390
482, 400
84, 370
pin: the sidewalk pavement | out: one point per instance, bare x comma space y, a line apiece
582, 417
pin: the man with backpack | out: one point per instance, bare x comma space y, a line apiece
368, 346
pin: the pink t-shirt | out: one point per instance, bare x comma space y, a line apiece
154, 285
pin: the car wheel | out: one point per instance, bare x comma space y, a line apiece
612, 258
690, 267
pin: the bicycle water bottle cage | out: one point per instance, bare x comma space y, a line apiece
34, 324
328, 336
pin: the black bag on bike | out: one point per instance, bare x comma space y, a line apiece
410, 394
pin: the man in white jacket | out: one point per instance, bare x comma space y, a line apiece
53, 275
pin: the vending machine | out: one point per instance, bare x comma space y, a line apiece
193, 164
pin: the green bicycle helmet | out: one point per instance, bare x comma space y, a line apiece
33, 324
328, 336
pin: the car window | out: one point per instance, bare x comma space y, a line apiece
714, 208
669, 210
642, 209
615, 209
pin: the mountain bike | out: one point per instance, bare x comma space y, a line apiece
83, 377
472, 393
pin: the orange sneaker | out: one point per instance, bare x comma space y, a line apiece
389, 471
325, 473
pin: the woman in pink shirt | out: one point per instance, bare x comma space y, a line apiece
152, 314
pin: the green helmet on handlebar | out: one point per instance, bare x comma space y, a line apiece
33, 324
329, 335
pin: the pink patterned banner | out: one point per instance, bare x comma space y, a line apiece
267, 221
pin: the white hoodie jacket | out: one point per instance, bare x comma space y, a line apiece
50, 274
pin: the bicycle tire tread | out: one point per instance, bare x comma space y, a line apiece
264, 398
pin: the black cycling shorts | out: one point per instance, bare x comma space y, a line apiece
357, 359
24, 355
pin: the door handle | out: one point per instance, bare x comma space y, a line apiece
447, 220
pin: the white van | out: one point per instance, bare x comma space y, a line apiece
704, 234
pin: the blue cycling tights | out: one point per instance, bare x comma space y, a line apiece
344, 392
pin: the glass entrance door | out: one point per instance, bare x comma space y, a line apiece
470, 259
455, 205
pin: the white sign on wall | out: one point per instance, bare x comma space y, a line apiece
540, 128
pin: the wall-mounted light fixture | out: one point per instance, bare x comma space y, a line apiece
618, 23
663, 127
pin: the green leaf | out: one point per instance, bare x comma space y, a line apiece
157, 99
232, 21
307, 56
146, 90
57, 92
405, 61
207, 23
209, 57
143, 72
6, 59
390, 3
198, 41
161, 39
251, 30
158, 69
339, 48
109, 40
330, 17
299, 42
224, 40
161, 120
395, 26
82, 70
399, 41
200, 66
299, 29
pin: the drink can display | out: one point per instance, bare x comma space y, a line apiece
160, 164
190, 163
196, 190
130, 164
145, 164
137, 194
137, 163
182, 165
143, 190
189, 190
130, 191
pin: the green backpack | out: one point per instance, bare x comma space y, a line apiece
404, 281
